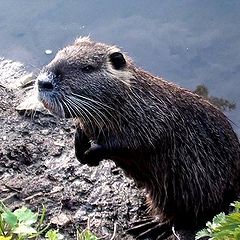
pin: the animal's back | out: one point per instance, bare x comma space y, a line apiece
196, 154
172, 142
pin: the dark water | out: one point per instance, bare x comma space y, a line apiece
189, 42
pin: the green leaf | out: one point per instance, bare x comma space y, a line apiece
5, 238
10, 218
54, 235
223, 227
26, 216
219, 219
233, 217
42, 217
203, 233
24, 230
86, 235
236, 205
3, 208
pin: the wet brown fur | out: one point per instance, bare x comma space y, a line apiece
173, 143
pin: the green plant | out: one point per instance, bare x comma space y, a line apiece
23, 224
223, 227
54, 235
86, 235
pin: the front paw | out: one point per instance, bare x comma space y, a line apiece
94, 155
82, 143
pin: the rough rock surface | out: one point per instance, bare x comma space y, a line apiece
38, 166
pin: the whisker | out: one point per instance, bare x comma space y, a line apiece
92, 107
25, 89
102, 117
75, 112
96, 105
98, 113
33, 114
92, 100
58, 102
80, 110
106, 108
55, 104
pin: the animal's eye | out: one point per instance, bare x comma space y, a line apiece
88, 69
118, 60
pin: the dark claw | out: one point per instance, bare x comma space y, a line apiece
82, 144
87, 152
93, 155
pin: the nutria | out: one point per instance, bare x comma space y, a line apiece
172, 142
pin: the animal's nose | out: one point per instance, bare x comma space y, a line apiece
45, 82
45, 85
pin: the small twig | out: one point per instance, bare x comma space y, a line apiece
88, 224
175, 234
103, 237
12, 188
9, 197
33, 196
114, 231
56, 190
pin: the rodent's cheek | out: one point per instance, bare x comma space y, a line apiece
40, 95
63, 88
67, 84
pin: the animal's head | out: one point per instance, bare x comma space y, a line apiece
82, 77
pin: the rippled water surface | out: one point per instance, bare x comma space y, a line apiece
189, 42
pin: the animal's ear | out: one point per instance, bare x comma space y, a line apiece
117, 59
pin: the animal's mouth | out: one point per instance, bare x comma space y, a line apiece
46, 100
66, 103
53, 102
48, 94
47, 105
